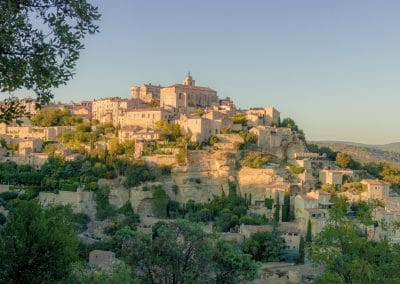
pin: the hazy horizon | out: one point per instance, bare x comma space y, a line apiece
331, 66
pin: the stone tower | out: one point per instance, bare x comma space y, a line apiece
188, 81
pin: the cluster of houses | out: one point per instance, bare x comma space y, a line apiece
200, 114
198, 110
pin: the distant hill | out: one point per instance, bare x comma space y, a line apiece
392, 147
365, 153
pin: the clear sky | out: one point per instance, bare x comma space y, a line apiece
333, 66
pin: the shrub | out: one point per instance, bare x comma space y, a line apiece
165, 170
8, 195
181, 156
296, 170
103, 207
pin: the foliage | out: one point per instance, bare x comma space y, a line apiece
301, 257
80, 221
255, 160
103, 207
269, 202
253, 219
198, 111
296, 170
181, 156
239, 118
265, 246
309, 232
213, 140
354, 187
277, 211
136, 173
169, 132
160, 202
330, 154
343, 160
181, 252
55, 117
286, 210
249, 137
36, 245
232, 265
349, 256
3, 219
40, 45
290, 123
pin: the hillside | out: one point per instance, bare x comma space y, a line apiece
365, 153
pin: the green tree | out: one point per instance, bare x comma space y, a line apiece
39, 47
343, 160
179, 252
286, 208
265, 246
37, 245
348, 256
309, 232
301, 251
232, 265
160, 202
277, 211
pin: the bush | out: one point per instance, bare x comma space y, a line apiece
137, 173
255, 160
296, 170
181, 156
165, 170
8, 195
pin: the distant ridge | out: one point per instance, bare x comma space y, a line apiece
365, 153
390, 147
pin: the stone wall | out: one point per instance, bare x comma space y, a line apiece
82, 201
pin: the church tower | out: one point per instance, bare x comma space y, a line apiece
188, 81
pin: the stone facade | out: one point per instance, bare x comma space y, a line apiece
146, 93
263, 116
312, 206
144, 117
109, 109
182, 96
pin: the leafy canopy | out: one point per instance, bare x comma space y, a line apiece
40, 42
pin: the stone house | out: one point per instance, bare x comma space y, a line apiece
108, 110
133, 133
104, 260
312, 206
30, 145
198, 128
334, 176
376, 189
146, 93
263, 116
144, 117
271, 137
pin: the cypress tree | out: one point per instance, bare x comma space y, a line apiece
276, 212
309, 235
301, 251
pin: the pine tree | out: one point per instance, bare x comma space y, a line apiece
309, 235
276, 212
301, 251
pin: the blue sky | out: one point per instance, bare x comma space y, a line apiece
333, 66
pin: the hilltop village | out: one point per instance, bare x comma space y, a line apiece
176, 152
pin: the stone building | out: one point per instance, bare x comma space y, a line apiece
334, 176
263, 116
144, 117
109, 109
146, 93
376, 189
312, 206
133, 133
199, 128
271, 137
187, 95
28, 146
26, 132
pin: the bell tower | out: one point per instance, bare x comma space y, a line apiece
188, 81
